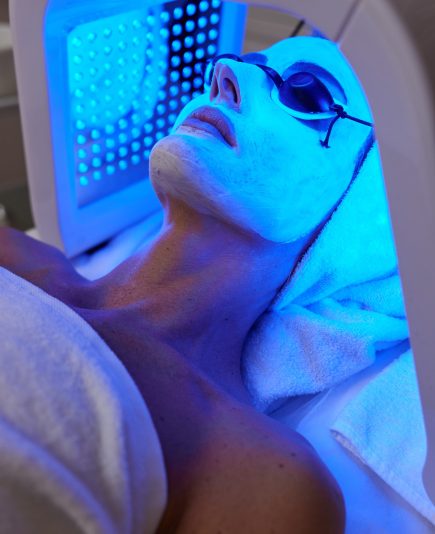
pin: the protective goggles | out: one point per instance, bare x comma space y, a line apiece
302, 94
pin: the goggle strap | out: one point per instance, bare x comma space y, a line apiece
341, 114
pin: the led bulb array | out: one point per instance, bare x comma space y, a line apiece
129, 77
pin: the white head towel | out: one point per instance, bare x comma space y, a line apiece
342, 303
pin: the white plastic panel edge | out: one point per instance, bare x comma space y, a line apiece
26, 17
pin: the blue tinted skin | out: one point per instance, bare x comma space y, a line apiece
177, 314
279, 182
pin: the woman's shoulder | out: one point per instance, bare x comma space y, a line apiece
257, 476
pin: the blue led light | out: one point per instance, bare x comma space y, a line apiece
80, 125
202, 22
136, 146
110, 143
110, 156
122, 28
160, 123
199, 53
159, 135
148, 141
177, 29
185, 99
148, 128
185, 86
84, 181
188, 41
123, 165
187, 72
96, 162
97, 175
190, 25
107, 32
146, 154
92, 55
173, 91
107, 50
122, 137
197, 83
164, 32
109, 129
172, 118
176, 46
78, 93
214, 19
135, 133
92, 36
174, 76
175, 61
211, 49
173, 104
83, 168
110, 170
137, 24
213, 33
203, 5
191, 9
81, 139
77, 59
161, 108
135, 159
82, 154
96, 149
164, 16
122, 45
200, 38
122, 123
123, 151
187, 56
215, 3
178, 13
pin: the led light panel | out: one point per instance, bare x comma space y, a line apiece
129, 75
115, 74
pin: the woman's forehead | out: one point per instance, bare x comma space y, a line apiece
315, 50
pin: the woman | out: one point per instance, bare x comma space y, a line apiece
238, 217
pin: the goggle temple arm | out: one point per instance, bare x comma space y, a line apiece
341, 114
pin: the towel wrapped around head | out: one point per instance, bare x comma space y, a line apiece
342, 303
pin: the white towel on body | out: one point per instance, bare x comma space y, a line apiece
78, 449
383, 426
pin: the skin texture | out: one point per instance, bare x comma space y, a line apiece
177, 313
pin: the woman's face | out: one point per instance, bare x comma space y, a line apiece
238, 155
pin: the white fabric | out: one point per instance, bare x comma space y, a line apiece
342, 303
372, 506
393, 445
78, 450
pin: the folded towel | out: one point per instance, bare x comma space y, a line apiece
342, 303
78, 449
394, 447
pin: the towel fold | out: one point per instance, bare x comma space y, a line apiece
383, 427
342, 303
78, 449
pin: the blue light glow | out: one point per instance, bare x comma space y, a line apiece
129, 76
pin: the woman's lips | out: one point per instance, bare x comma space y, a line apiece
212, 121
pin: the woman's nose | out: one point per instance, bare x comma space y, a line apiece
225, 87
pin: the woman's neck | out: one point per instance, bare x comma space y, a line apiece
200, 286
